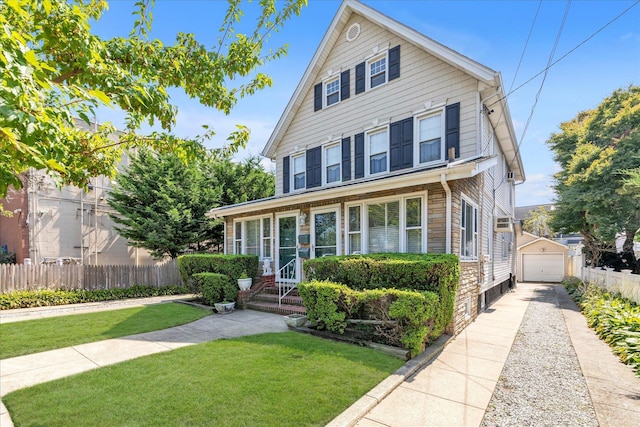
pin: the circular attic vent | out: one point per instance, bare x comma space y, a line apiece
353, 32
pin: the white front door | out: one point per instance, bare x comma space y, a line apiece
287, 263
325, 232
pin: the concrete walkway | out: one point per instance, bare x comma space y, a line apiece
450, 385
455, 386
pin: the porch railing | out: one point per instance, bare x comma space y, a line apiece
286, 280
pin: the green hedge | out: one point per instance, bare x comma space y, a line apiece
332, 305
615, 319
231, 265
215, 287
438, 273
41, 298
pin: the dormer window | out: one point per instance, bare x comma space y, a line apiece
332, 92
377, 69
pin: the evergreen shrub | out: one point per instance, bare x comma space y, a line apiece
438, 273
230, 265
215, 287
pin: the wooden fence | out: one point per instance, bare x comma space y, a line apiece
17, 277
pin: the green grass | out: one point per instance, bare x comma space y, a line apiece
285, 379
34, 336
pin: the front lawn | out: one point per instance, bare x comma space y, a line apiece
285, 379
34, 336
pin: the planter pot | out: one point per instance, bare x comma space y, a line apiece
626, 270
225, 307
295, 320
244, 284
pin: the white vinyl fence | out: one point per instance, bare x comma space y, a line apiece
627, 284
18, 277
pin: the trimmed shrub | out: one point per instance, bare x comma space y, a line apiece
45, 297
231, 265
215, 287
438, 273
404, 318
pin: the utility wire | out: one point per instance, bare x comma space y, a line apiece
546, 72
569, 52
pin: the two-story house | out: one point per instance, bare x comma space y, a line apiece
391, 142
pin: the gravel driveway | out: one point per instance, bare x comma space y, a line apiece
541, 383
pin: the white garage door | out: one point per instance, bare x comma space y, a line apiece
542, 267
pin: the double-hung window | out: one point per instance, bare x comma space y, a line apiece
387, 225
253, 237
378, 144
332, 92
299, 172
429, 136
377, 71
332, 162
469, 231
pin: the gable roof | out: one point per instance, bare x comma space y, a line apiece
540, 239
491, 79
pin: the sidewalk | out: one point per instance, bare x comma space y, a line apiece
451, 385
454, 389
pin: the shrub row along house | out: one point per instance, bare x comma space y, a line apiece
391, 142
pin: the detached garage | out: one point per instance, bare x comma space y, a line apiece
541, 259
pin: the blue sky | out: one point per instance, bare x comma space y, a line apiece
493, 33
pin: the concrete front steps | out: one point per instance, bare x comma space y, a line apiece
267, 300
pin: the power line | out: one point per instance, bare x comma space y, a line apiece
569, 52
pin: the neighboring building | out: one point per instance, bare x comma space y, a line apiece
541, 259
391, 142
523, 212
50, 223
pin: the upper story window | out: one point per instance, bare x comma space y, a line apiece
469, 231
332, 162
378, 146
299, 172
332, 91
430, 147
377, 71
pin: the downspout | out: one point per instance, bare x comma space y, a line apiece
447, 190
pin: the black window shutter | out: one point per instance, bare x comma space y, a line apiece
314, 167
345, 82
407, 143
452, 134
360, 78
394, 62
401, 144
285, 175
317, 97
395, 145
346, 159
359, 155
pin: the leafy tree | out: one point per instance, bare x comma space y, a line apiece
55, 69
239, 182
596, 150
161, 204
538, 222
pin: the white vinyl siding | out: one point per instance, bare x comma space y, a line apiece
423, 78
